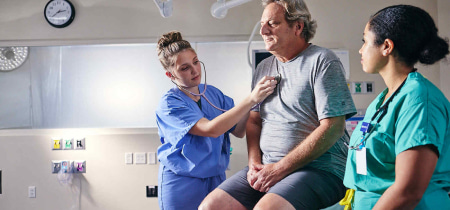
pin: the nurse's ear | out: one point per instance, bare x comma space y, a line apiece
387, 47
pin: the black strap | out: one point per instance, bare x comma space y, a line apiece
199, 103
383, 109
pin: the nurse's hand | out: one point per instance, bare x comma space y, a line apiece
263, 88
267, 176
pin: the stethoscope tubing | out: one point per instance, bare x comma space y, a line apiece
203, 93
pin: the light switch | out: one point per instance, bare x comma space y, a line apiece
152, 158
129, 158
32, 191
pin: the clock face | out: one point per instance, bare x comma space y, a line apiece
59, 13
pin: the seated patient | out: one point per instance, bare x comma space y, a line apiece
194, 128
296, 137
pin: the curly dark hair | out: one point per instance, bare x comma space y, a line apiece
413, 32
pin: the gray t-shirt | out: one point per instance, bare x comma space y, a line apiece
312, 87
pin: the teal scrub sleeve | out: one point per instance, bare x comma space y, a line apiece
418, 125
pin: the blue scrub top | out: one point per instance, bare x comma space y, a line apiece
418, 115
186, 154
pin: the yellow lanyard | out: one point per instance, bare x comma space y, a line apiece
348, 199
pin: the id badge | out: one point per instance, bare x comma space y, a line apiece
361, 161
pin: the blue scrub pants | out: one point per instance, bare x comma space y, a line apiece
183, 192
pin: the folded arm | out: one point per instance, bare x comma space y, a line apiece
316, 144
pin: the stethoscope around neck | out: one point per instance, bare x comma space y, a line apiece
202, 94
379, 115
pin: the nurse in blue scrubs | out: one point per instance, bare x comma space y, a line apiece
399, 156
194, 126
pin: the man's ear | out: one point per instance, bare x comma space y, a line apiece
299, 28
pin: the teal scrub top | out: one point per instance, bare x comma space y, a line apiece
418, 115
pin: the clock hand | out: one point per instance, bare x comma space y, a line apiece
59, 11
56, 13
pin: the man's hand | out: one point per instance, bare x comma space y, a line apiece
266, 176
252, 172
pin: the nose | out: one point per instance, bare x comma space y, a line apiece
197, 69
264, 29
360, 49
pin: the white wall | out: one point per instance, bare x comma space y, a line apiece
119, 21
108, 184
25, 160
444, 31
25, 155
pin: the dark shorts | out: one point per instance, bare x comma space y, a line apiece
306, 188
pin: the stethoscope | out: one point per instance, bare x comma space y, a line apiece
203, 93
277, 78
366, 127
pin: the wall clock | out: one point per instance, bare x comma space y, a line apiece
59, 13
12, 57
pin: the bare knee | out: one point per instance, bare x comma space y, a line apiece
219, 199
273, 201
205, 205
209, 203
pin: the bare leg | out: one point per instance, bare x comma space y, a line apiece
219, 199
273, 201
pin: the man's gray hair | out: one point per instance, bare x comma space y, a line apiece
296, 10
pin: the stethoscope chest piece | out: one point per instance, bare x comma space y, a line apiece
278, 78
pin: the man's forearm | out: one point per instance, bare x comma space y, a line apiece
316, 144
253, 135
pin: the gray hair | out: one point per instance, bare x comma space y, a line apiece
296, 10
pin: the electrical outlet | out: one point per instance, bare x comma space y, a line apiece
32, 191
152, 191
56, 166
67, 144
369, 87
66, 166
79, 166
129, 158
79, 144
140, 157
56, 144
357, 87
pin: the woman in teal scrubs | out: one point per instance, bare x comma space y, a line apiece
399, 155
194, 130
